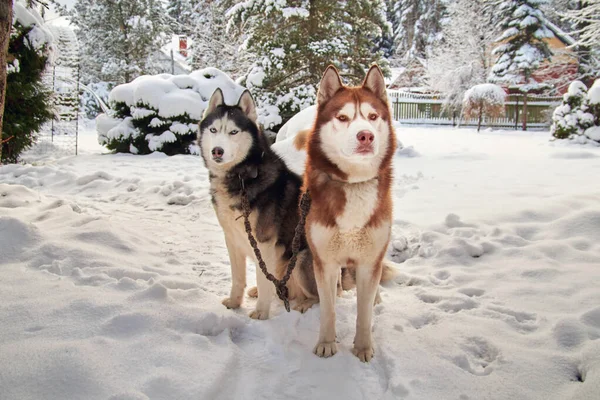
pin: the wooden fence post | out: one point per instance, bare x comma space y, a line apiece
525, 111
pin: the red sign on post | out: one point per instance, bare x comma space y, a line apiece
183, 46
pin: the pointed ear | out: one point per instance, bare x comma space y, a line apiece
246, 103
375, 82
330, 84
215, 101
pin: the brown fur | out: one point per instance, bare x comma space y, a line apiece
300, 139
328, 186
324, 179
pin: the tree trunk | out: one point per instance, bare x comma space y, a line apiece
525, 111
6, 10
480, 116
517, 114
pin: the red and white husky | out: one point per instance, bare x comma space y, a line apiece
349, 175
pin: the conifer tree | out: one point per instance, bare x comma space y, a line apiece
521, 47
27, 103
417, 26
5, 26
119, 38
295, 42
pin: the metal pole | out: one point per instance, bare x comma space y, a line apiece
517, 113
77, 110
172, 63
53, 101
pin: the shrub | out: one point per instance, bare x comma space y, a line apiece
593, 100
485, 100
161, 112
571, 117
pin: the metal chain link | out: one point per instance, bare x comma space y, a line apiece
280, 284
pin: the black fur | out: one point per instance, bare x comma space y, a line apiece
273, 190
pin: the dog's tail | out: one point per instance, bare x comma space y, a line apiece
389, 271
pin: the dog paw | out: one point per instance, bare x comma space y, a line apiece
231, 303
305, 305
253, 292
377, 299
258, 314
364, 355
325, 349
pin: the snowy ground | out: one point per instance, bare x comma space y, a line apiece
112, 268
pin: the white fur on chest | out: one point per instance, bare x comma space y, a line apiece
228, 216
361, 201
232, 222
359, 244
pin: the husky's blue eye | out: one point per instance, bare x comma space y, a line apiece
233, 132
213, 130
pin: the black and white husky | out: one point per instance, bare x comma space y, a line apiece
234, 149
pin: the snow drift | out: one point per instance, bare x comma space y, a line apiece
112, 268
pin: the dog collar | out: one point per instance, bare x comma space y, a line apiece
336, 179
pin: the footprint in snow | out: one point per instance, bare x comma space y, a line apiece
479, 356
520, 320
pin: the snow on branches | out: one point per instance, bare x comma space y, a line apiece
485, 100
521, 47
578, 117
161, 112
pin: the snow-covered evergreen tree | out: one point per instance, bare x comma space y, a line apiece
521, 47
572, 118
295, 41
27, 104
119, 38
417, 26
212, 45
182, 13
463, 59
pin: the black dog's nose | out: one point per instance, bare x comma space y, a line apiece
217, 152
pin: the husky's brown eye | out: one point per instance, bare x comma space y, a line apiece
373, 116
233, 132
342, 118
213, 130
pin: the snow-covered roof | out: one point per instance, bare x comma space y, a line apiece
559, 33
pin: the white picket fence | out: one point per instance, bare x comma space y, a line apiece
426, 109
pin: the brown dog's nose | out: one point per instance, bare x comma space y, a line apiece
217, 152
365, 137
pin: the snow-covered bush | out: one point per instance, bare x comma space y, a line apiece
27, 104
572, 116
161, 112
593, 101
485, 100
